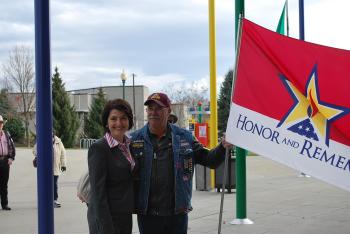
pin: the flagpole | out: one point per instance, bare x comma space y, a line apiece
241, 196
301, 20
44, 117
213, 130
227, 156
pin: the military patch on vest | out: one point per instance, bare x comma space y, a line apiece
137, 144
184, 143
186, 177
137, 148
188, 166
178, 165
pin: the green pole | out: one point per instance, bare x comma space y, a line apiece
241, 201
239, 10
241, 196
241, 188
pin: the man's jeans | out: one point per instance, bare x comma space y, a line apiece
173, 224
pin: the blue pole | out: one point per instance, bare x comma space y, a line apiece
301, 20
44, 116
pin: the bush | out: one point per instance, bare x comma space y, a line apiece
15, 127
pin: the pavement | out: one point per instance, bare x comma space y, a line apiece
278, 201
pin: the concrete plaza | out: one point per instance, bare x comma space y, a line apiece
278, 201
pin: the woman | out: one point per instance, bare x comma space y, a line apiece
111, 169
59, 164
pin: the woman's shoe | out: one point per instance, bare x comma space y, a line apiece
56, 204
6, 208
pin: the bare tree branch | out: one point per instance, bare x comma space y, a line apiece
189, 94
19, 77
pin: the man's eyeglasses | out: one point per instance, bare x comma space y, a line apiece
154, 109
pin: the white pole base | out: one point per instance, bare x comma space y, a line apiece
241, 221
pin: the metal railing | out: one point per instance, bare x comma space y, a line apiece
85, 143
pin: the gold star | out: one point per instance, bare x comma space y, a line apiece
310, 106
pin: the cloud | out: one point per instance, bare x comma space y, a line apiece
93, 40
159, 41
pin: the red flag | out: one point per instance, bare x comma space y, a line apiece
293, 97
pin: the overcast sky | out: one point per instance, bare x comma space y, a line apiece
163, 42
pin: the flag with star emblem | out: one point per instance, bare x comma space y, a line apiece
291, 103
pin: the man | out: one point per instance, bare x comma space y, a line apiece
167, 155
172, 118
7, 155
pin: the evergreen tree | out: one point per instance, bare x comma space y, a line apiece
65, 118
5, 106
224, 102
14, 126
93, 122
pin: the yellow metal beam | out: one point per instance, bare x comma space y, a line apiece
213, 102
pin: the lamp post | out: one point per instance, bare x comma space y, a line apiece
123, 77
133, 98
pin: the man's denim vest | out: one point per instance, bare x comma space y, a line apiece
183, 167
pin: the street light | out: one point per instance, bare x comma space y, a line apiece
133, 98
123, 77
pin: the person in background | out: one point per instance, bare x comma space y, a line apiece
59, 164
7, 156
167, 155
172, 118
111, 173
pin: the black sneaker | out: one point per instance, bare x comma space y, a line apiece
6, 208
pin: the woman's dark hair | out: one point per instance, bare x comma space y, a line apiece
120, 105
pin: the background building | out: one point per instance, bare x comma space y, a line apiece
136, 96
82, 99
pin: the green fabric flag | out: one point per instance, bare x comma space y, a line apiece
281, 23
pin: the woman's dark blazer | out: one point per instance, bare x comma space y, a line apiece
112, 188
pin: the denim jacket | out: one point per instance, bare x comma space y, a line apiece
186, 152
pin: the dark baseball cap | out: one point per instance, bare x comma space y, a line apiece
159, 98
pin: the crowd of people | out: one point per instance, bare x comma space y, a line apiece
147, 172
7, 156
